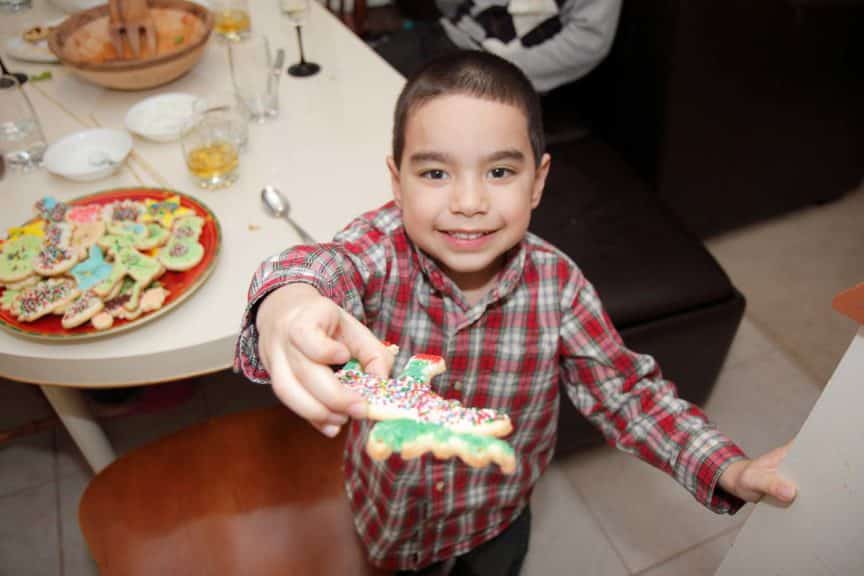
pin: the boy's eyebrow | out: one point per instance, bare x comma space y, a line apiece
508, 154
418, 157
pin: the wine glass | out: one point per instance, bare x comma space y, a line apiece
297, 11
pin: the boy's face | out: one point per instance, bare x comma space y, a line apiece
467, 184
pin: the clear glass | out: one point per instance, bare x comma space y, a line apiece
15, 5
22, 142
210, 150
296, 10
255, 81
227, 105
231, 19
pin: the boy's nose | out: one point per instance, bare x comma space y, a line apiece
469, 197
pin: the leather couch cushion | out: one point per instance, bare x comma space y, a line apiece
639, 257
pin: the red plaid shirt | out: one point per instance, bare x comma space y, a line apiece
541, 323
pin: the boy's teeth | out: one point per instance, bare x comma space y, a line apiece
466, 235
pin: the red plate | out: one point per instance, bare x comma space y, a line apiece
180, 285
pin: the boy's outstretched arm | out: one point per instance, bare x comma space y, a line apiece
750, 480
300, 335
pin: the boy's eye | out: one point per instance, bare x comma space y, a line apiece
434, 174
500, 172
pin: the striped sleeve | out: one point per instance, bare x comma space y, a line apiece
348, 270
625, 395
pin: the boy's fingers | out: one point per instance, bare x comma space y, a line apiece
771, 483
774, 457
322, 384
373, 355
289, 390
318, 347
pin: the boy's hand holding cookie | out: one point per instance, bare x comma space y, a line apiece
300, 335
750, 480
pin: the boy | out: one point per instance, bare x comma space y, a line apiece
448, 268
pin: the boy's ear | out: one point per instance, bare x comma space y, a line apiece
540, 179
395, 184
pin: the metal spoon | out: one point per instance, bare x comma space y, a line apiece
20, 76
278, 206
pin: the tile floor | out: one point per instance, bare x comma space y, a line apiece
611, 514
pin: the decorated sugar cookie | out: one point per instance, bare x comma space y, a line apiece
86, 234
84, 214
50, 209
81, 310
92, 271
153, 237
411, 439
164, 211
411, 396
35, 228
56, 255
413, 419
16, 257
43, 298
179, 254
123, 211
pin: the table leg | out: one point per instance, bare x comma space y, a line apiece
70, 406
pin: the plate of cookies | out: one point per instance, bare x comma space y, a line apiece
104, 263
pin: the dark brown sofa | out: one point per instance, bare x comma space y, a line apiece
705, 116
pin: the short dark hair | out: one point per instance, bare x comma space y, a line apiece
470, 73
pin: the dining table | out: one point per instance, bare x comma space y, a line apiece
326, 151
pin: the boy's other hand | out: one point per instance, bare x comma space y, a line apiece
300, 335
750, 480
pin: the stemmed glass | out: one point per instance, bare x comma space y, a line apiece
22, 143
297, 11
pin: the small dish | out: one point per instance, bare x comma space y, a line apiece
89, 154
33, 51
161, 118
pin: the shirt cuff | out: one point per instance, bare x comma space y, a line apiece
700, 465
246, 358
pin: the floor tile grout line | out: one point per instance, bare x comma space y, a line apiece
597, 522
688, 549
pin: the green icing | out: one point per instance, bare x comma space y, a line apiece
352, 366
395, 433
416, 370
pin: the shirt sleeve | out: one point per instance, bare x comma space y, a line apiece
349, 271
625, 395
586, 35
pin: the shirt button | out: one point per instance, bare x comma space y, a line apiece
439, 486
457, 385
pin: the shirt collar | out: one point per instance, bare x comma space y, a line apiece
508, 277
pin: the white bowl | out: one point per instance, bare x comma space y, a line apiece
161, 118
89, 154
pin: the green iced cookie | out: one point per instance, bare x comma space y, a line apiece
16, 258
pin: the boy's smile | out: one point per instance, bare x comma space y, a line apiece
467, 184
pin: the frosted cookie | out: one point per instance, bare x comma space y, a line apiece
189, 227
84, 214
56, 255
153, 237
164, 211
410, 396
126, 304
43, 298
411, 439
153, 298
81, 310
35, 228
50, 209
180, 254
86, 234
122, 211
92, 271
102, 321
17, 256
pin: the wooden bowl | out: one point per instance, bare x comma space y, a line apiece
81, 42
